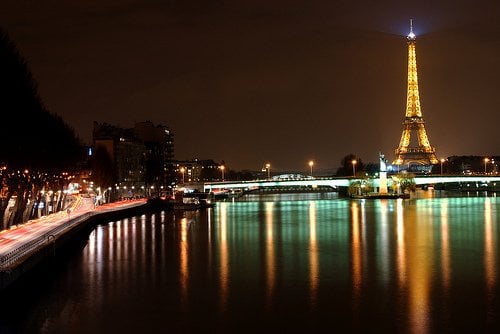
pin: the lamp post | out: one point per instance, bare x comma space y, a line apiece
182, 172
268, 169
222, 167
486, 160
311, 164
354, 162
442, 161
398, 163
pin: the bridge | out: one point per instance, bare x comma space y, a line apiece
335, 182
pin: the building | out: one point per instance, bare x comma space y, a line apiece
197, 170
133, 158
471, 165
159, 142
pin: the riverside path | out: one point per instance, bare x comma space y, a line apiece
22, 241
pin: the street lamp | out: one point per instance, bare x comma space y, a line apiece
354, 162
222, 167
311, 164
182, 172
268, 168
486, 160
442, 161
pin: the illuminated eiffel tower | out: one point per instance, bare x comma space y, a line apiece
411, 152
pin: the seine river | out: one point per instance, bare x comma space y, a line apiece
277, 263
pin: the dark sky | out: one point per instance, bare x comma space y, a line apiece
260, 81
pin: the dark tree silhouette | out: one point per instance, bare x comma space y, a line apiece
32, 139
346, 169
103, 167
30, 136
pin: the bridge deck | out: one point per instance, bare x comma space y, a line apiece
341, 182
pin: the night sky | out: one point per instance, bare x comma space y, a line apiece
257, 81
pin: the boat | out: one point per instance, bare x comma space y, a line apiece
192, 201
183, 201
380, 196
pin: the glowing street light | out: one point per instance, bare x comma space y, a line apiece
486, 160
311, 164
183, 170
222, 167
354, 162
442, 161
268, 168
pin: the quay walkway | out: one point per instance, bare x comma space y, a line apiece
20, 243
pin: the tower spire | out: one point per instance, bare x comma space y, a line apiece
411, 35
421, 152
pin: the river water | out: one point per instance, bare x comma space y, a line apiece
287, 263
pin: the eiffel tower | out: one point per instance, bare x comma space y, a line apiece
409, 151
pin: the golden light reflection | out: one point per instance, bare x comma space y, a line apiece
162, 245
489, 247
313, 255
445, 246
224, 257
111, 268
111, 241
401, 253
96, 266
134, 237
419, 260
356, 253
209, 236
363, 227
184, 259
270, 256
119, 239
126, 243
384, 242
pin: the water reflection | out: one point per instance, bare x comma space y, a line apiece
313, 255
384, 242
223, 254
490, 265
183, 260
356, 254
424, 265
404, 235
401, 247
420, 251
270, 257
445, 247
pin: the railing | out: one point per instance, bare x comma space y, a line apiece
29, 248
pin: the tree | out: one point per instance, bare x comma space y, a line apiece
346, 165
103, 168
406, 182
30, 136
32, 139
